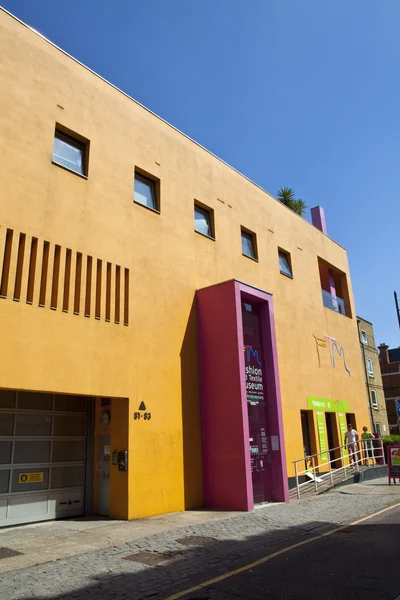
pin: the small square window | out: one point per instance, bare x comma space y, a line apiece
203, 221
374, 399
370, 367
285, 264
364, 338
145, 192
249, 244
70, 152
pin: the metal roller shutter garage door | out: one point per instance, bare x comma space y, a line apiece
42, 456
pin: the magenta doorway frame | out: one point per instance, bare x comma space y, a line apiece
227, 478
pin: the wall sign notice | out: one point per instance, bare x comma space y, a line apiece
30, 478
322, 436
327, 404
254, 375
274, 442
393, 462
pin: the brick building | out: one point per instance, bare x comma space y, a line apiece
373, 378
390, 368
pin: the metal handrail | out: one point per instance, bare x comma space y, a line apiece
367, 450
320, 453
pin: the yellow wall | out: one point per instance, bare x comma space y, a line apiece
154, 358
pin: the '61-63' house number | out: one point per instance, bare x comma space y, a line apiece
146, 416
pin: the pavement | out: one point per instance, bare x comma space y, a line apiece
286, 545
70, 537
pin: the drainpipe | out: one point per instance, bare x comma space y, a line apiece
366, 376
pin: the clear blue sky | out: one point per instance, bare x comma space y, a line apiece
299, 93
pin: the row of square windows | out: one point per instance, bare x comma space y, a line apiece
72, 153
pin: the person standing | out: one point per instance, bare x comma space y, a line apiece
351, 439
367, 436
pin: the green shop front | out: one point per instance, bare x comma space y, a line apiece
324, 424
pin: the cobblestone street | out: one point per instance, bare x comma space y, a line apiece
186, 556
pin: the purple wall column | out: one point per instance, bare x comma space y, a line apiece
318, 219
227, 477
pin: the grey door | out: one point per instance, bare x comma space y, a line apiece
103, 488
43, 442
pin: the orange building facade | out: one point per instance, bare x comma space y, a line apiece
114, 386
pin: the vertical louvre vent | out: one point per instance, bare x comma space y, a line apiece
44, 274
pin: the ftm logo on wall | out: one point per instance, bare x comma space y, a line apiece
335, 352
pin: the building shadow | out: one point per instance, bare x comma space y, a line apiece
191, 419
357, 562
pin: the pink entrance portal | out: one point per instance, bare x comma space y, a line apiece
242, 429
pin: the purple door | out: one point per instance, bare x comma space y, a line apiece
256, 401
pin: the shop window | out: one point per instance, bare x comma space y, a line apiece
204, 220
70, 151
146, 191
249, 244
374, 399
285, 263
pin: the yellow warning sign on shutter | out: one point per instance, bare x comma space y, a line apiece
30, 477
